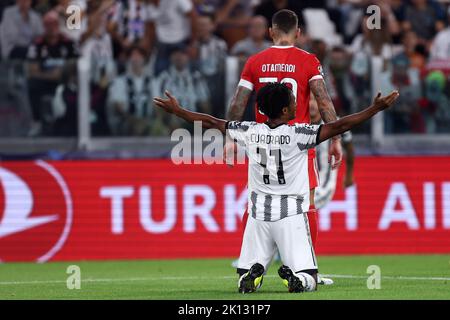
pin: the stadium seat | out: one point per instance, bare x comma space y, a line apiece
320, 26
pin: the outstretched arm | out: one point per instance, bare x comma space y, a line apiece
334, 128
171, 105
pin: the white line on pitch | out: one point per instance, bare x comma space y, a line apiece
342, 276
346, 276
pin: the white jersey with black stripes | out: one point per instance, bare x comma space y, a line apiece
278, 181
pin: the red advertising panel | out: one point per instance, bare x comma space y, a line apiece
152, 209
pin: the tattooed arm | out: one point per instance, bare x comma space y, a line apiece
324, 103
238, 103
328, 114
235, 113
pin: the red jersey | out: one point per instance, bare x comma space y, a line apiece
285, 64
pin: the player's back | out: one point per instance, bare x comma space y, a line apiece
278, 166
286, 64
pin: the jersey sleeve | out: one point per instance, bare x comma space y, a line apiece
238, 131
247, 80
315, 70
306, 135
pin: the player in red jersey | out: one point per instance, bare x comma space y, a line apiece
285, 63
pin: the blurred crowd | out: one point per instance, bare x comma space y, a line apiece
137, 49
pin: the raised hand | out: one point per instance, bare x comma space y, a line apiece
385, 102
169, 105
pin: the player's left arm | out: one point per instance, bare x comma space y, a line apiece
341, 125
328, 114
171, 105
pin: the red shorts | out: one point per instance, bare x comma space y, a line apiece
313, 172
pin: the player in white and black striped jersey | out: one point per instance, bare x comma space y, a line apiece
276, 187
278, 182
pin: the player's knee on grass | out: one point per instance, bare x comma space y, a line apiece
308, 279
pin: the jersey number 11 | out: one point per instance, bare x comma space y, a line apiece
278, 161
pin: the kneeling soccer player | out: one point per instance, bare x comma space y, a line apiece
277, 182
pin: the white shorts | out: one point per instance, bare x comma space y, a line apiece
292, 237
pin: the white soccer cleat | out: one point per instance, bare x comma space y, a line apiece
324, 281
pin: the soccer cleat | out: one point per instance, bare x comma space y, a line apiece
324, 281
252, 280
291, 281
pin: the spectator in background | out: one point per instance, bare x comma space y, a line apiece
391, 20
413, 50
47, 57
65, 103
256, 40
376, 42
425, 18
210, 50
96, 43
187, 86
435, 105
61, 9
268, 8
406, 114
130, 111
440, 48
371, 55
210, 53
398, 8
335, 64
365, 47
129, 26
175, 22
43, 6
339, 79
207, 7
232, 18
96, 47
4, 4
19, 27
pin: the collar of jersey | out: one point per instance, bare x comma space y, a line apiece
282, 47
278, 125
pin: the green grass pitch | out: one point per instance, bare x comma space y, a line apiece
402, 277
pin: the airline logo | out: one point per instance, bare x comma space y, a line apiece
35, 212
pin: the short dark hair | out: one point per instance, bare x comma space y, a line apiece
272, 98
137, 48
285, 20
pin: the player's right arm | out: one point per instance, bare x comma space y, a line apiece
341, 125
239, 103
171, 105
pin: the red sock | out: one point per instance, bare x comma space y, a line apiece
312, 217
